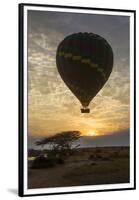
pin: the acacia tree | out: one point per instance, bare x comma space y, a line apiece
61, 142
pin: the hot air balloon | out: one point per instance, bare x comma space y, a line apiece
84, 62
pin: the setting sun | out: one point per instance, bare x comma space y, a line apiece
91, 133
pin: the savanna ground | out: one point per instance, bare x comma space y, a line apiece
88, 166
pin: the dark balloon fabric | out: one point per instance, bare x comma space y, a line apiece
85, 62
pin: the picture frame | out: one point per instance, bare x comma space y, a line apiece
32, 27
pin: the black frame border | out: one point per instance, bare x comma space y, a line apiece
21, 97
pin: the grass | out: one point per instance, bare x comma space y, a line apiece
107, 165
99, 168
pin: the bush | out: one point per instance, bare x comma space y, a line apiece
42, 162
91, 157
99, 157
60, 161
93, 163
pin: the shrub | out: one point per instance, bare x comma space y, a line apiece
42, 162
60, 161
93, 163
91, 157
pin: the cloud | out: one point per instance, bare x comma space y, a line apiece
52, 107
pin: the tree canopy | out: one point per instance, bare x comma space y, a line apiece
60, 141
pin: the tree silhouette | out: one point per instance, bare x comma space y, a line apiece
61, 142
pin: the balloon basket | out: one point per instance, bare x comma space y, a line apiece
85, 110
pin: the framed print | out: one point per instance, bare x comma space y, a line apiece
76, 99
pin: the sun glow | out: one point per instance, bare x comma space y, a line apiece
91, 133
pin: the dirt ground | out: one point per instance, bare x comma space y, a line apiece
86, 167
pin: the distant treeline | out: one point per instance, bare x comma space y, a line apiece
35, 152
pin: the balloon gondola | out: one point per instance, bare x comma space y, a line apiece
84, 62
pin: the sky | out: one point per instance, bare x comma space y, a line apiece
51, 105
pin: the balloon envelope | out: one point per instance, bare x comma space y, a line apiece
85, 62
